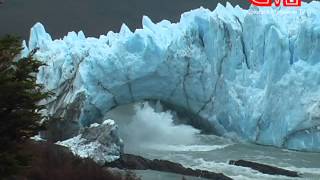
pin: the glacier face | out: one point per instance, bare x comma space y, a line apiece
251, 73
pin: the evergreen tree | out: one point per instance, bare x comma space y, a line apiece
19, 103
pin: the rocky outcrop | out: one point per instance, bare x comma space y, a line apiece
133, 162
99, 142
263, 168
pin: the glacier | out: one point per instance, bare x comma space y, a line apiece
253, 74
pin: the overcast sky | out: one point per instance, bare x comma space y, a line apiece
94, 17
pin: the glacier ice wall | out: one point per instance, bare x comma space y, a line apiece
251, 75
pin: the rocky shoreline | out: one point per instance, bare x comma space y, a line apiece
133, 162
101, 143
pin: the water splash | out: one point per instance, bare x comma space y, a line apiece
147, 125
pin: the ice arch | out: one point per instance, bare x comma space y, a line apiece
253, 76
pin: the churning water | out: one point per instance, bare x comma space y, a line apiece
151, 133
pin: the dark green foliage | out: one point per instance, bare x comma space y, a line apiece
19, 103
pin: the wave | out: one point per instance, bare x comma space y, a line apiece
190, 148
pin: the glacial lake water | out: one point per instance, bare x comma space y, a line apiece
213, 153
150, 134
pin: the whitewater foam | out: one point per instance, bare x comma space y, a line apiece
190, 148
150, 127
